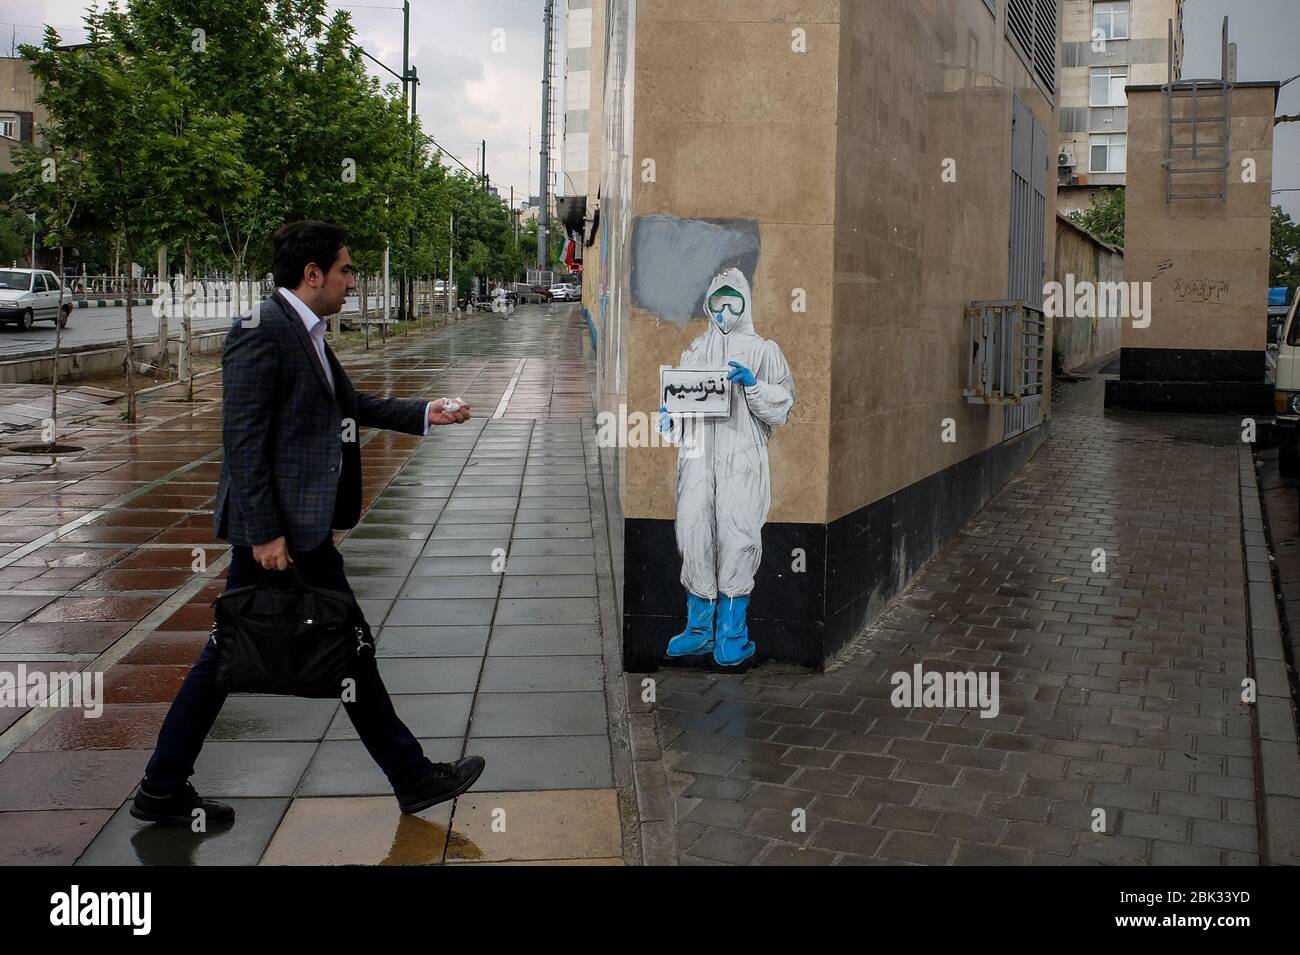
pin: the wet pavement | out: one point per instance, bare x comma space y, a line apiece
1119, 688
481, 564
475, 564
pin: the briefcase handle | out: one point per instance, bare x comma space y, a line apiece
276, 578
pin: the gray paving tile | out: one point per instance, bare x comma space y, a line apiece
427, 715
540, 714
344, 768
364, 547
546, 610
505, 488
430, 674
548, 585
552, 513
463, 546
273, 718
375, 588
431, 642
543, 762
412, 492
552, 547
526, 531
467, 565
542, 674
125, 841
369, 566
441, 588
526, 566
481, 503
473, 524
525, 640
374, 610
247, 768
452, 611
372, 530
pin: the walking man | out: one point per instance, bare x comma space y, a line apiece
290, 474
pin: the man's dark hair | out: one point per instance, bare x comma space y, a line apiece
298, 244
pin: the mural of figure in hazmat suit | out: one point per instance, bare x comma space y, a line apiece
724, 486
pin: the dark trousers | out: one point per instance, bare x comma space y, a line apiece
195, 709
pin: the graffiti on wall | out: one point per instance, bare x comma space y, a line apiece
724, 487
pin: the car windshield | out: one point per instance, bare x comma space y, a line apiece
20, 281
1293, 328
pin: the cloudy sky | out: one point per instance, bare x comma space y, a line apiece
469, 93
1265, 32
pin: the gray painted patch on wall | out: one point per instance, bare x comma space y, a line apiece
673, 260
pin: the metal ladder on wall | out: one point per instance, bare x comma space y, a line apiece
1198, 118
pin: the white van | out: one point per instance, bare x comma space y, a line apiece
1286, 389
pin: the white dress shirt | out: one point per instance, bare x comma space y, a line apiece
316, 329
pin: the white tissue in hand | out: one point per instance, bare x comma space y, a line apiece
450, 405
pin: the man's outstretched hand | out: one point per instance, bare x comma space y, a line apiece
273, 555
438, 413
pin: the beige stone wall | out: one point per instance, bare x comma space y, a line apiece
1078, 340
1207, 260
919, 83
742, 127
837, 154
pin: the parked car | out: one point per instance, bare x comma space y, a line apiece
31, 295
565, 292
532, 294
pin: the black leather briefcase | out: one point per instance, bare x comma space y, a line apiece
294, 640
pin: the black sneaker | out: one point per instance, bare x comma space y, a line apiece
444, 781
179, 807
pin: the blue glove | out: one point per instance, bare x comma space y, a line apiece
741, 374
665, 420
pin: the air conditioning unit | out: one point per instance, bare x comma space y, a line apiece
1065, 161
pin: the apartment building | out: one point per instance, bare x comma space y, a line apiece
577, 97
20, 114
1106, 46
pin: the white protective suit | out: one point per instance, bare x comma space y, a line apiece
724, 484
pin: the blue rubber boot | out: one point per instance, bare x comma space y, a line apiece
733, 644
698, 636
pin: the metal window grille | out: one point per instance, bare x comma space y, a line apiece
1005, 352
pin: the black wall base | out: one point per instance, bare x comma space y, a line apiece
1195, 380
804, 609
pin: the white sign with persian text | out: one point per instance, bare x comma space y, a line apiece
695, 392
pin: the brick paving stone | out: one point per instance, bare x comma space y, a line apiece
1117, 689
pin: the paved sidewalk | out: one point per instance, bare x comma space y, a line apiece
507, 664
1120, 690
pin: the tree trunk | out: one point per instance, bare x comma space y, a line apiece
130, 332
163, 331
58, 343
187, 364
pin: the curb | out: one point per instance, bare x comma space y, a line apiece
636, 752
107, 302
1277, 773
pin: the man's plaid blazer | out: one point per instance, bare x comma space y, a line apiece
292, 461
